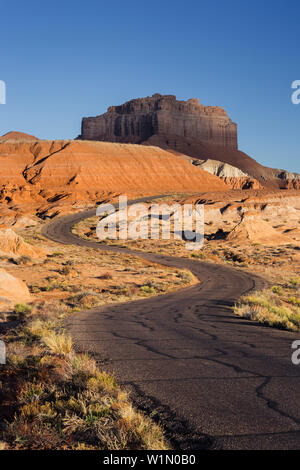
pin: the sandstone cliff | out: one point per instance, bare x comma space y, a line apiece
139, 119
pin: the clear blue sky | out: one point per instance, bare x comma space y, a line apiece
62, 60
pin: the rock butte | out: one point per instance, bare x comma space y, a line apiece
186, 127
139, 119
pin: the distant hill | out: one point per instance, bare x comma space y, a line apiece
46, 173
17, 136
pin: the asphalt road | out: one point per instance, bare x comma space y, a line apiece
214, 380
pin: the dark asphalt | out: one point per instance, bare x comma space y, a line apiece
216, 381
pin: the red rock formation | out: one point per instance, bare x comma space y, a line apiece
47, 176
253, 229
139, 119
241, 183
187, 127
291, 184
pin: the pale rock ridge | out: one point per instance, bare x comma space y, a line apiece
231, 175
221, 169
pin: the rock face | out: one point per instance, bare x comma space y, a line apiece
12, 290
13, 245
289, 180
139, 119
186, 127
253, 229
232, 176
48, 177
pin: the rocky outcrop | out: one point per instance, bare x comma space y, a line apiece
139, 119
13, 245
221, 169
12, 290
232, 176
289, 180
253, 229
291, 184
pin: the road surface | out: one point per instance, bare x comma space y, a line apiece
214, 380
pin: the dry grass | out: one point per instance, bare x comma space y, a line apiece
55, 398
58, 343
278, 306
60, 399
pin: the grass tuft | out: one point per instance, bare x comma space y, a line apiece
278, 306
58, 343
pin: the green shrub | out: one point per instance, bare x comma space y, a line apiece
295, 281
22, 309
147, 289
198, 255
277, 290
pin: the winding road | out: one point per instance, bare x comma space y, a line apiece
214, 380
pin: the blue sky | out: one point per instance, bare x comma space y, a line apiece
62, 60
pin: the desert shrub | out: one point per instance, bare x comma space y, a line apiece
84, 299
294, 301
196, 254
147, 289
295, 281
271, 307
65, 270
55, 253
21, 260
186, 276
22, 309
55, 284
70, 262
277, 290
